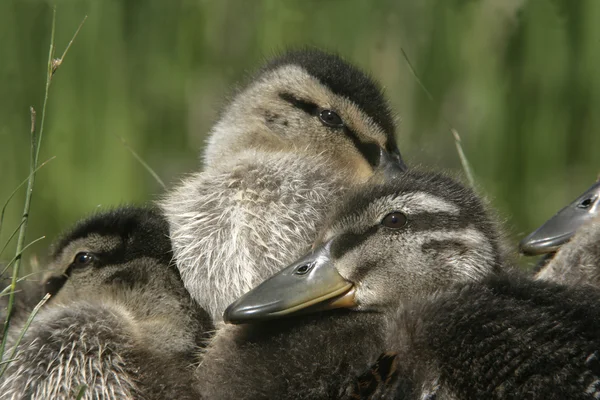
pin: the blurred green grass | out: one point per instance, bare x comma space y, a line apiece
518, 79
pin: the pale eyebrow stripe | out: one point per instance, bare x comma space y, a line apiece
423, 202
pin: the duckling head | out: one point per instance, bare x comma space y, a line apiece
570, 241
121, 247
122, 258
387, 245
308, 102
561, 227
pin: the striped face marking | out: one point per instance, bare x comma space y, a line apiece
438, 244
411, 204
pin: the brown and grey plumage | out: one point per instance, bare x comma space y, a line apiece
435, 309
572, 240
389, 246
28, 293
120, 320
287, 147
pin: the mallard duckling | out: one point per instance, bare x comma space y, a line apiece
387, 247
119, 322
422, 268
288, 146
572, 240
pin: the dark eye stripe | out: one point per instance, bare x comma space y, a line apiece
370, 151
348, 241
305, 106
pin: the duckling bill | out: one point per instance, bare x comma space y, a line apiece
311, 281
561, 227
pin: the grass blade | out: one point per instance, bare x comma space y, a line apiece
461, 154
17, 256
144, 163
24, 329
81, 392
12, 235
19, 187
5, 291
36, 141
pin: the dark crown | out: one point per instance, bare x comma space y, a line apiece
143, 230
343, 79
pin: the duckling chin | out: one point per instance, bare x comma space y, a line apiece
308, 127
119, 322
571, 239
386, 248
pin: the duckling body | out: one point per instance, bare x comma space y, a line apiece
505, 337
289, 145
309, 357
450, 239
120, 321
434, 304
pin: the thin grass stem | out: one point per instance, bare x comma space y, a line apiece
144, 163
32, 315
457, 141
5, 292
19, 187
36, 142
12, 235
18, 255
81, 392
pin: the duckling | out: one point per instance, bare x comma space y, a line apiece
387, 247
308, 127
429, 298
572, 240
120, 321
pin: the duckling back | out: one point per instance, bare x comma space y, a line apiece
507, 337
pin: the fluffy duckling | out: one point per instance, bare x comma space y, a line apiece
572, 240
388, 246
421, 266
120, 321
287, 147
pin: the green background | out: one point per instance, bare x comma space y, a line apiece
518, 79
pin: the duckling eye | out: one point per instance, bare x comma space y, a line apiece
304, 269
83, 259
330, 118
587, 203
394, 220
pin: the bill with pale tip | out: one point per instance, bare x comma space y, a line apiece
312, 282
